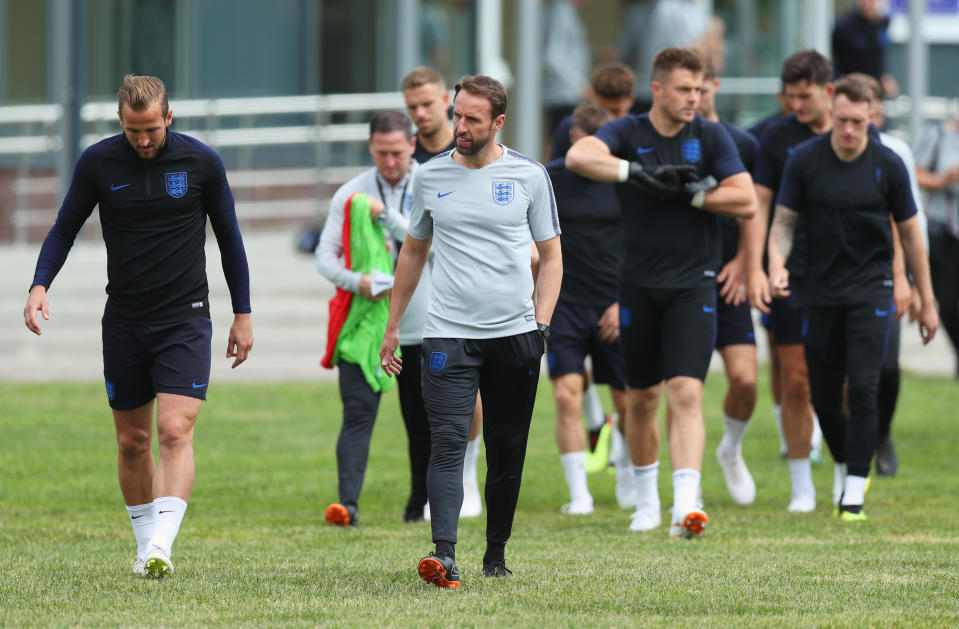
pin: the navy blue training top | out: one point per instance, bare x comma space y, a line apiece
670, 244
592, 241
747, 146
153, 215
846, 207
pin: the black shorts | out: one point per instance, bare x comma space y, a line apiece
734, 324
140, 361
666, 333
787, 317
574, 333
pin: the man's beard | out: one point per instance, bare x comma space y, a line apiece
476, 145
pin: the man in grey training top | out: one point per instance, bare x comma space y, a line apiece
481, 205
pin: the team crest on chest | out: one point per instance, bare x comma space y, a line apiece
176, 184
692, 150
503, 191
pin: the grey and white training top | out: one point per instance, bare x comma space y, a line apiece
483, 222
329, 251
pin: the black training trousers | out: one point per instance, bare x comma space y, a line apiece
944, 265
889, 380
848, 341
360, 405
506, 372
417, 427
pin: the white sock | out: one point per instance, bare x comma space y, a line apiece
778, 414
838, 481
732, 441
685, 491
142, 519
816, 441
168, 513
593, 408
647, 483
855, 490
800, 472
574, 466
472, 456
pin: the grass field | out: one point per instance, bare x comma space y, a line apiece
254, 549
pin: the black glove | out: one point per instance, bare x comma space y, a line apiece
685, 192
660, 180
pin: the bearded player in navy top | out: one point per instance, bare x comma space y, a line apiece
678, 173
155, 190
846, 185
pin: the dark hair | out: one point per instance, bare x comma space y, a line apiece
669, 59
485, 86
866, 80
139, 92
389, 121
806, 65
589, 117
423, 75
856, 90
613, 80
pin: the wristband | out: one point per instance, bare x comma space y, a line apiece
623, 170
698, 199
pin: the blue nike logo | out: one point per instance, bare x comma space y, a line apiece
708, 309
115, 188
199, 386
882, 313
440, 195
642, 150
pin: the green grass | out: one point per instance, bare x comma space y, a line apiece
254, 549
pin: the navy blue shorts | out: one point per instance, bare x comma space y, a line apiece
666, 332
734, 324
574, 334
140, 361
787, 317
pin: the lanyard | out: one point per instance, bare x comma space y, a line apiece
379, 187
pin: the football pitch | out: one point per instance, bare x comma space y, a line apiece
254, 549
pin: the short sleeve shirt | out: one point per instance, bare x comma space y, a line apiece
483, 222
670, 244
846, 206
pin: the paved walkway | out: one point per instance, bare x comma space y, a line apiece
289, 317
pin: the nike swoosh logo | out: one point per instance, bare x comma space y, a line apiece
115, 188
882, 313
708, 309
440, 195
167, 511
642, 150
198, 386
134, 517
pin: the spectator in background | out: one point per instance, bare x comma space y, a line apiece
937, 170
859, 42
566, 59
657, 25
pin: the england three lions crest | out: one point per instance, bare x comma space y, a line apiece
176, 184
692, 150
503, 191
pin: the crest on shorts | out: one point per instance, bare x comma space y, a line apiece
503, 191
111, 390
437, 361
692, 150
176, 184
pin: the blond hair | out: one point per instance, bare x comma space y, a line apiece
139, 92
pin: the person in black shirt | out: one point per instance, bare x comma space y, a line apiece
155, 190
846, 185
735, 340
806, 82
612, 86
860, 39
428, 103
586, 317
668, 279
